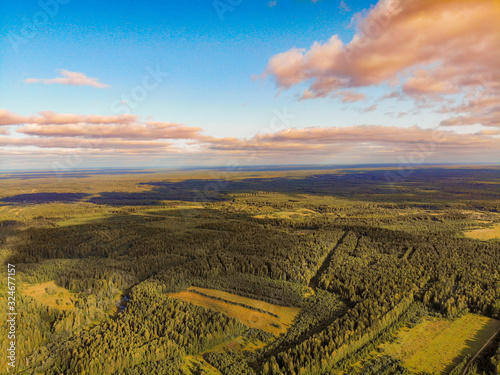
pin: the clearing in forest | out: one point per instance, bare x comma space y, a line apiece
253, 313
197, 365
50, 294
484, 234
436, 345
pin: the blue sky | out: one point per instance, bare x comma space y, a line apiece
210, 61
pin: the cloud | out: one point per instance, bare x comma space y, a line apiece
95, 135
50, 124
84, 144
70, 78
48, 117
371, 108
423, 83
483, 110
359, 139
430, 47
148, 130
350, 96
272, 4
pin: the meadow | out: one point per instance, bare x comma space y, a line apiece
253, 313
437, 345
485, 234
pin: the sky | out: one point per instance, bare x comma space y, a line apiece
87, 84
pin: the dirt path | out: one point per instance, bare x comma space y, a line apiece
469, 364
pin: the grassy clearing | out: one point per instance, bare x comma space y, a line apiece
238, 344
437, 345
54, 211
197, 365
302, 212
82, 220
484, 234
249, 317
50, 294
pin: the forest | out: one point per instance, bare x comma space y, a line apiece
364, 260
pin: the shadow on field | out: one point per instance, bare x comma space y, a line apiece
429, 187
37, 198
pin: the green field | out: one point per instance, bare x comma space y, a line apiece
437, 345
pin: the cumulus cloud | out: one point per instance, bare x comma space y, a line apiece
429, 47
69, 78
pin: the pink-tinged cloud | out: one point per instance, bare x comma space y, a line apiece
422, 83
51, 118
483, 110
50, 124
488, 132
84, 144
369, 109
331, 140
149, 130
129, 135
351, 96
432, 47
69, 78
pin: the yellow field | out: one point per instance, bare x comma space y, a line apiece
303, 212
249, 317
484, 234
81, 220
197, 363
38, 292
437, 345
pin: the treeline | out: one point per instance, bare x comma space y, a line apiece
344, 336
154, 330
228, 363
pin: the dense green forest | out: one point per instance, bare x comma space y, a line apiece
361, 256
